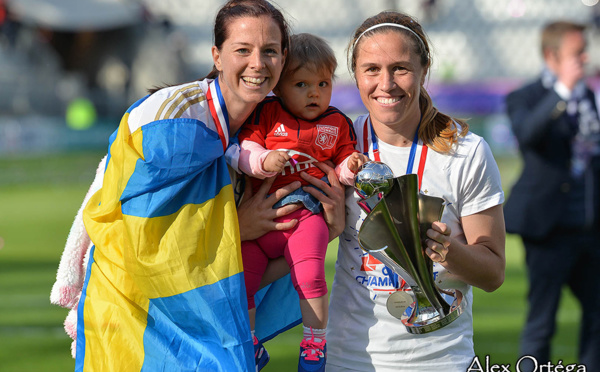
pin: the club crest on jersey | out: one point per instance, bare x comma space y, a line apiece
326, 136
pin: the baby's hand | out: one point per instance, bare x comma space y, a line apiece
356, 161
275, 161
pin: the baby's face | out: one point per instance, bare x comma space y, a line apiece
306, 93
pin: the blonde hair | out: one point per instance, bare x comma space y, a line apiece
439, 131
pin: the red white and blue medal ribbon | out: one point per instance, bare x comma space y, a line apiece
368, 128
218, 111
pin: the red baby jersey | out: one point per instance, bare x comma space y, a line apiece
328, 137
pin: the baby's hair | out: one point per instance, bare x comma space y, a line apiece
309, 51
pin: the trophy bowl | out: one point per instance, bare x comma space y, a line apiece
394, 232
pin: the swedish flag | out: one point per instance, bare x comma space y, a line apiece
164, 288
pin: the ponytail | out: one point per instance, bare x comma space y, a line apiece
438, 131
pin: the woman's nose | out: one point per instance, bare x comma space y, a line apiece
257, 61
386, 81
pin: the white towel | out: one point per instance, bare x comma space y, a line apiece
70, 276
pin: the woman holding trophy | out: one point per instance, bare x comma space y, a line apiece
390, 57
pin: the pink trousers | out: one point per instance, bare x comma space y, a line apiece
303, 247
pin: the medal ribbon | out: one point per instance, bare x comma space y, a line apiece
218, 111
413, 150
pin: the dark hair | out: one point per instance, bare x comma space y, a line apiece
234, 9
437, 130
553, 33
310, 51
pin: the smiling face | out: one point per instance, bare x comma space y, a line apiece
389, 76
249, 61
306, 93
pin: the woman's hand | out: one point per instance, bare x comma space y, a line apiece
333, 201
481, 261
439, 242
256, 214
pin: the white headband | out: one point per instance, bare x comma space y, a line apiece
392, 25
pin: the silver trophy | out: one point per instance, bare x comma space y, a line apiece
394, 232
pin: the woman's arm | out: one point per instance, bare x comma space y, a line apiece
481, 262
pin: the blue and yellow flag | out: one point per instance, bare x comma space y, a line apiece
164, 288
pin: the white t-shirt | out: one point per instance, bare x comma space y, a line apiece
361, 334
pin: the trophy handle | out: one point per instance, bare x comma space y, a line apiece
431, 209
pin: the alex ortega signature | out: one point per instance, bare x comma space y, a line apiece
525, 361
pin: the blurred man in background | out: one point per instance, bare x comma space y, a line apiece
555, 204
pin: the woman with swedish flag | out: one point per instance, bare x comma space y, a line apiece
164, 286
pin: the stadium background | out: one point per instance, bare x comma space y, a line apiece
68, 70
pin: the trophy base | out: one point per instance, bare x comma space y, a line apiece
428, 322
